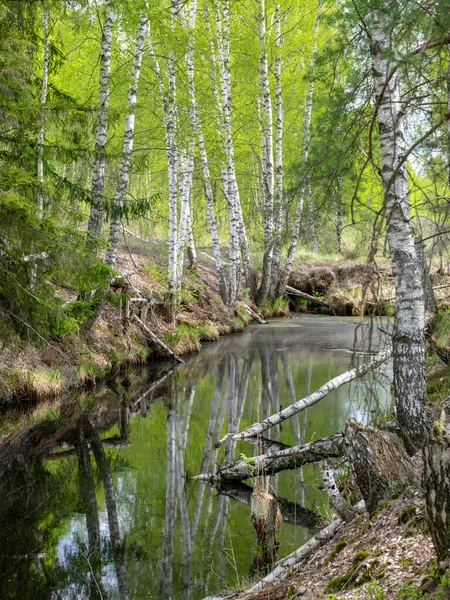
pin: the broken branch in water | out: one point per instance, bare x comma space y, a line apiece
269, 464
296, 407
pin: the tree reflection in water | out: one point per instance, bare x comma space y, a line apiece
96, 503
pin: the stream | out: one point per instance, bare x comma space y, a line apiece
94, 502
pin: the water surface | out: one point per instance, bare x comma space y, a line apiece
94, 503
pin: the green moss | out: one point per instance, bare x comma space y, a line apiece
342, 543
407, 514
360, 557
356, 576
343, 582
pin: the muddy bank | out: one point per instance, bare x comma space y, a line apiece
349, 288
116, 341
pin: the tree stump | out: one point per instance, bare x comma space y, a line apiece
436, 486
266, 518
379, 463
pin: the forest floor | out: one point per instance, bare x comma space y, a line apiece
386, 556
45, 370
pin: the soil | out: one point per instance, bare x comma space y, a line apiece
383, 557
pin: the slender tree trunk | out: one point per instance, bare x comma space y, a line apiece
41, 136
128, 137
101, 132
312, 216
172, 160
238, 233
267, 166
448, 123
408, 338
304, 180
339, 215
278, 209
168, 98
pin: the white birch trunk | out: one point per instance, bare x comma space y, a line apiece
278, 209
128, 137
306, 141
238, 233
212, 224
184, 232
168, 99
408, 338
101, 132
293, 409
172, 154
41, 135
267, 166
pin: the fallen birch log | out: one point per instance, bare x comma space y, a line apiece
155, 339
337, 500
296, 407
269, 464
254, 314
294, 292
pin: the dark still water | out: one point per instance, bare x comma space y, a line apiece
94, 503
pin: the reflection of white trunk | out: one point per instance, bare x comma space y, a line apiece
111, 509
408, 338
165, 582
278, 209
306, 142
101, 132
258, 428
128, 137
40, 145
267, 167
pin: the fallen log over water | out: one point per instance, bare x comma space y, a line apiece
269, 464
294, 292
296, 407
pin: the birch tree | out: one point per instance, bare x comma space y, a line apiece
128, 137
278, 200
238, 234
40, 146
304, 182
101, 131
408, 338
267, 166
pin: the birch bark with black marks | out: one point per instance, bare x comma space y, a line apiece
324, 390
41, 135
267, 166
278, 207
408, 337
128, 138
305, 178
436, 485
271, 463
101, 130
238, 233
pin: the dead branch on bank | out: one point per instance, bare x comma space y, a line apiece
155, 339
